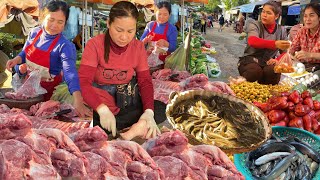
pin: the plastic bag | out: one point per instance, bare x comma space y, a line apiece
285, 64
177, 60
213, 70
153, 59
30, 87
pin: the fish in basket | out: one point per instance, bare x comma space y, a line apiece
225, 121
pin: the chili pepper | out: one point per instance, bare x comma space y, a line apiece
276, 116
263, 106
286, 119
280, 103
315, 124
317, 131
294, 97
296, 122
305, 94
290, 106
316, 105
308, 101
285, 94
301, 110
280, 123
307, 122
291, 115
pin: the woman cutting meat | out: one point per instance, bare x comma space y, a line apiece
161, 31
115, 78
50, 52
265, 40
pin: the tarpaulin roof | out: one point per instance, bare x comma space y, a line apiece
249, 8
294, 9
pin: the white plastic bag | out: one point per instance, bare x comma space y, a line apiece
153, 59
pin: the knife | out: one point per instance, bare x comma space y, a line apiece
59, 113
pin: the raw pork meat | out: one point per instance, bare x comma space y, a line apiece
98, 168
45, 108
4, 108
13, 125
162, 89
166, 144
174, 168
169, 75
89, 138
197, 81
66, 127
217, 157
19, 161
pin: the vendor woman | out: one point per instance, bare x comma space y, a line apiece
161, 31
306, 43
265, 40
115, 78
47, 50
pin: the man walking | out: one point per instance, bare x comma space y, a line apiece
221, 22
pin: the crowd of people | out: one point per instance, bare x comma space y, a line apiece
114, 78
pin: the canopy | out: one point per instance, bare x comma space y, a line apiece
294, 9
110, 2
249, 8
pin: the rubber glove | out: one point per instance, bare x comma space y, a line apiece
282, 44
107, 119
151, 124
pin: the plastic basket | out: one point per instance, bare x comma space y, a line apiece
312, 139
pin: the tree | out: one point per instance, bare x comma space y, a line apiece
240, 2
212, 5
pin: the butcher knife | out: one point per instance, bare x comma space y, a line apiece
59, 113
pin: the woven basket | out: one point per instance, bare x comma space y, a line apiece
259, 119
305, 136
21, 104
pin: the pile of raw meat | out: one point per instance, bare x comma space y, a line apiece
50, 153
166, 81
37, 113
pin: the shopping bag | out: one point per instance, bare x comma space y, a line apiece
153, 58
285, 64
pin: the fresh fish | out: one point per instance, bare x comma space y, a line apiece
270, 148
271, 156
313, 168
305, 149
281, 167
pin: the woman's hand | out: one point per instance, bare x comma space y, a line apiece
148, 38
151, 124
78, 104
303, 55
162, 43
107, 119
282, 44
12, 62
272, 62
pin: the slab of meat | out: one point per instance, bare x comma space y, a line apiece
137, 154
45, 108
89, 138
197, 81
162, 89
218, 172
137, 170
13, 125
98, 168
66, 127
217, 157
4, 108
18, 161
174, 168
166, 144
67, 158
169, 75
196, 161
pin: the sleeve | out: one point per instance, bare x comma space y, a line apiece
296, 45
146, 31
254, 39
142, 65
87, 70
146, 89
172, 38
68, 57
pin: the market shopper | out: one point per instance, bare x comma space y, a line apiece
221, 23
161, 31
47, 50
203, 23
115, 78
306, 43
265, 40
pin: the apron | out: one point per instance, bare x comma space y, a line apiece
39, 59
157, 37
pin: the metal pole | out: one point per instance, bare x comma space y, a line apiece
182, 21
83, 5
